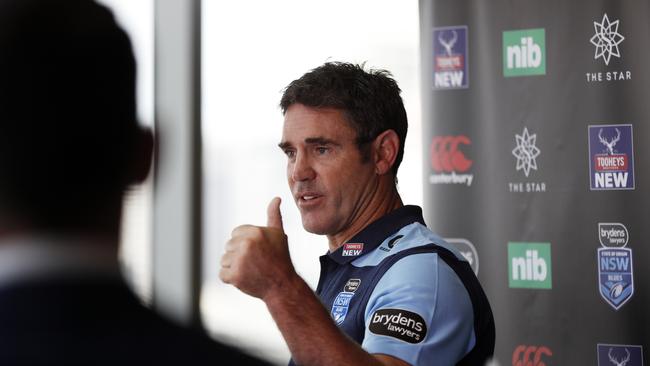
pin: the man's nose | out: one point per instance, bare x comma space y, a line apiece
302, 169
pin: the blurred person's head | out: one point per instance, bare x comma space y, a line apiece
369, 99
70, 144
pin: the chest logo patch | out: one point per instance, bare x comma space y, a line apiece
352, 285
352, 249
401, 324
341, 306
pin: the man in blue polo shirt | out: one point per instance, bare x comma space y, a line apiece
390, 292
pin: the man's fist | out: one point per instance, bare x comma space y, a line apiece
257, 258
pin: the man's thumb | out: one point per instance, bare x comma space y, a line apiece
274, 215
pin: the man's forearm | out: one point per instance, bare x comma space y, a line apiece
310, 333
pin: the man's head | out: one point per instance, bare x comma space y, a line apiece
69, 141
343, 136
370, 101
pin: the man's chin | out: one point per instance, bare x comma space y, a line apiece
314, 228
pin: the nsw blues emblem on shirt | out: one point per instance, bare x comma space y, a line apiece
341, 306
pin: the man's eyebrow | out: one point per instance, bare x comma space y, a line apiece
320, 141
310, 141
284, 145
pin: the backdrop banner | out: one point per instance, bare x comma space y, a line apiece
536, 127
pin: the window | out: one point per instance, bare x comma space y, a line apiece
136, 18
250, 52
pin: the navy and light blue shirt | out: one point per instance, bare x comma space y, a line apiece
395, 289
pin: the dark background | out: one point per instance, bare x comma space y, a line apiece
572, 317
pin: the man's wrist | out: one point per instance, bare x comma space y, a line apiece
286, 292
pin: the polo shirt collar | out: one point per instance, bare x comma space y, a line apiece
374, 234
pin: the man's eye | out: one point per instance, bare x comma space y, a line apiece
322, 150
290, 153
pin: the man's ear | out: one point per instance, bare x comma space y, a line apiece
385, 148
140, 163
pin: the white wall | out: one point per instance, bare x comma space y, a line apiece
251, 51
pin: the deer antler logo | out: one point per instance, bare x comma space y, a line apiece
610, 144
616, 362
448, 44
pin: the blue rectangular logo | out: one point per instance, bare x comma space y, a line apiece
615, 275
611, 157
450, 58
620, 354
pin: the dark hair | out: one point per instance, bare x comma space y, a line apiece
370, 100
67, 109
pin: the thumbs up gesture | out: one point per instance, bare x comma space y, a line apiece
257, 259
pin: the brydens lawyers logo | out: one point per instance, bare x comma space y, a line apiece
525, 355
352, 249
450, 58
615, 271
611, 157
620, 355
449, 162
400, 324
529, 265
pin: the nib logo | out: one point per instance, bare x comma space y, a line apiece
524, 52
529, 265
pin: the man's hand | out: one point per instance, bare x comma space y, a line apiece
257, 258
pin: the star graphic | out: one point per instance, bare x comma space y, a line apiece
526, 152
606, 39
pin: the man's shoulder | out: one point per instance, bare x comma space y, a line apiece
97, 321
405, 241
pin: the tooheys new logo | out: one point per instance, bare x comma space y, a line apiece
450, 58
611, 157
400, 324
352, 249
620, 355
447, 160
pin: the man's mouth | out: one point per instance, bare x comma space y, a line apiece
308, 197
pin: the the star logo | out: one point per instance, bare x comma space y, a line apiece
606, 39
526, 152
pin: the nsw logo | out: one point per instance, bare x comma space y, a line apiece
615, 271
352, 249
620, 355
611, 157
525, 355
467, 249
341, 306
524, 52
448, 161
450, 58
529, 265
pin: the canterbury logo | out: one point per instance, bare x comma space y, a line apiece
445, 156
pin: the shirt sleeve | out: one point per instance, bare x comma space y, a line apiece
420, 312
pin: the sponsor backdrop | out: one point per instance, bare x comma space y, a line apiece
537, 134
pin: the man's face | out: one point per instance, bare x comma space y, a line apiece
329, 181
